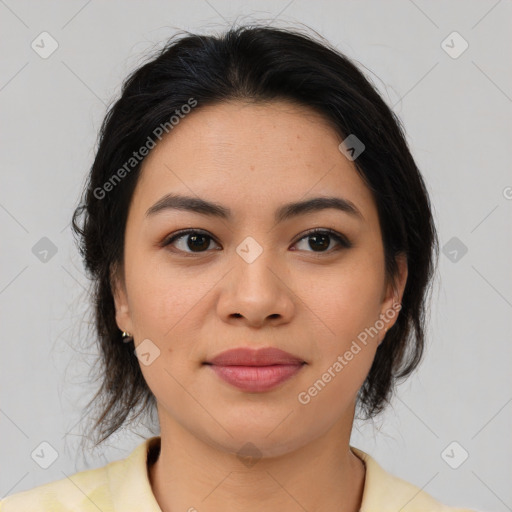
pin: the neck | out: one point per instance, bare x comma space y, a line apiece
191, 474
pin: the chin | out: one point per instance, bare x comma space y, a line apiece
262, 439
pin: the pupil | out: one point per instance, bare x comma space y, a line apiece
324, 243
194, 238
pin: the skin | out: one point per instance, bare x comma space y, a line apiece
253, 158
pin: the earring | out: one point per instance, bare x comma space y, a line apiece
127, 337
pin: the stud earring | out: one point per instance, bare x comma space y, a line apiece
127, 337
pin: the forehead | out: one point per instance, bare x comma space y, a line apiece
248, 155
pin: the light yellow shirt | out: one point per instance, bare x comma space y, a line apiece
124, 486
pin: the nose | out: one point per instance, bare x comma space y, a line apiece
257, 293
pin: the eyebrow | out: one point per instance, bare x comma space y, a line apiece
284, 212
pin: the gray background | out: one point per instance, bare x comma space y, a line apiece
457, 116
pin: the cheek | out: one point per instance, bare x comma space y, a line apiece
348, 299
160, 295
348, 302
346, 349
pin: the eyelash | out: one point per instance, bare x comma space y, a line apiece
343, 241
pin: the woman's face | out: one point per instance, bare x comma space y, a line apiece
252, 277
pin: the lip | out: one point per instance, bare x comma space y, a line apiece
253, 370
255, 357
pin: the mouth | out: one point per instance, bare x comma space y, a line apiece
253, 370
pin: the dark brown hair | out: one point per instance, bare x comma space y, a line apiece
253, 63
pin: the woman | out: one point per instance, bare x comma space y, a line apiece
262, 245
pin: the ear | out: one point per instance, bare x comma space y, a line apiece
395, 291
118, 287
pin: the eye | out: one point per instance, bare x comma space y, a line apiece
319, 240
196, 241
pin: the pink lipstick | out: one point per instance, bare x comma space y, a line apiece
255, 371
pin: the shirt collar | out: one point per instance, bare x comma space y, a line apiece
131, 490
129, 483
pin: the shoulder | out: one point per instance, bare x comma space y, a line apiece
120, 485
83, 491
397, 494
